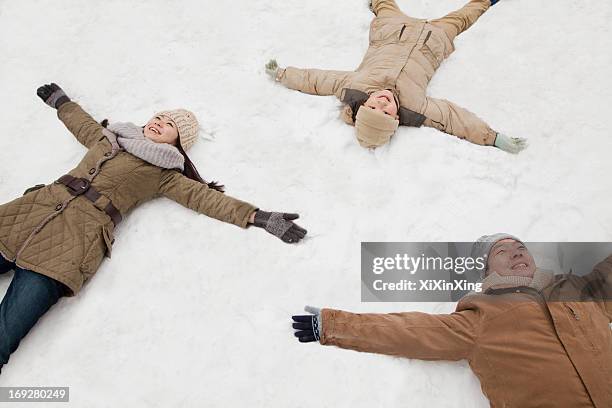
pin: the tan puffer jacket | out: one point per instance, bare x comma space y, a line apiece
64, 237
529, 349
403, 55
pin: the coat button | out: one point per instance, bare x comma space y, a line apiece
92, 171
58, 207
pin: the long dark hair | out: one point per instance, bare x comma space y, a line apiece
191, 172
189, 169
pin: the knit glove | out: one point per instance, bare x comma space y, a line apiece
309, 327
510, 144
52, 95
280, 225
272, 69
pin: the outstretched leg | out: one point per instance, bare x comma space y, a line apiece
28, 297
460, 20
5, 265
384, 8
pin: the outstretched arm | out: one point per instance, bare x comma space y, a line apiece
199, 197
79, 123
455, 120
411, 335
311, 81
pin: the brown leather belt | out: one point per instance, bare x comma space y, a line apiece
80, 186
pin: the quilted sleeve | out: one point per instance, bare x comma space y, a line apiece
80, 123
313, 81
199, 197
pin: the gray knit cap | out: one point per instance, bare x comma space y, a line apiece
483, 245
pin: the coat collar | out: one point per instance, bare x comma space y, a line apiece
354, 98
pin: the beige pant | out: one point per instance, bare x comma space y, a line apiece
460, 20
453, 23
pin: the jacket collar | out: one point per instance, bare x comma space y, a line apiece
354, 98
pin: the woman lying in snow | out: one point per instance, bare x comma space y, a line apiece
56, 236
389, 88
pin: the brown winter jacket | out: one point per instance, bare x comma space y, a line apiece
403, 55
55, 234
528, 348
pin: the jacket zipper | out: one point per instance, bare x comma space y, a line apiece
402, 32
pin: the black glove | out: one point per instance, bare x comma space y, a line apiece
280, 225
307, 326
52, 95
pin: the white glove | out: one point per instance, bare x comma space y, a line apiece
510, 144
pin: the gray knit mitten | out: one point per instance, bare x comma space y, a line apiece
280, 225
273, 70
52, 95
510, 144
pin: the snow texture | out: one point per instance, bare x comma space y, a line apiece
194, 312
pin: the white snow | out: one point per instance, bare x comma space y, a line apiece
194, 312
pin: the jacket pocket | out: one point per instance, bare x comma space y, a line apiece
94, 253
402, 32
383, 32
109, 240
581, 321
432, 51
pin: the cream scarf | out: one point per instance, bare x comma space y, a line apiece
541, 279
132, 139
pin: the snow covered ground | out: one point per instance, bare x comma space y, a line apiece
194, 312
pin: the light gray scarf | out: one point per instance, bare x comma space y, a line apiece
132, 139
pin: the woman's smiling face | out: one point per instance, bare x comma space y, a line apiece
161, 129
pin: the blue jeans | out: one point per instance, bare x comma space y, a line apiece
28, 297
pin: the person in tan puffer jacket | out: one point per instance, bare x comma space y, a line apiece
388, 88
533, 339
56, 236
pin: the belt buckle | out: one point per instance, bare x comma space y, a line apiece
78, 186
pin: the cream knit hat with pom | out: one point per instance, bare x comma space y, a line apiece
187, 125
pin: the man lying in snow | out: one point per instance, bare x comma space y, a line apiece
389, 88
534, 339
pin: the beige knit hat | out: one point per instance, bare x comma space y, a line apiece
187, 126
374, 128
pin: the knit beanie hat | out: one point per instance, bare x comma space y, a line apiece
374, 128
187, 125
482, 247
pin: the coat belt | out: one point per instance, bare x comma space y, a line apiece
80, 186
